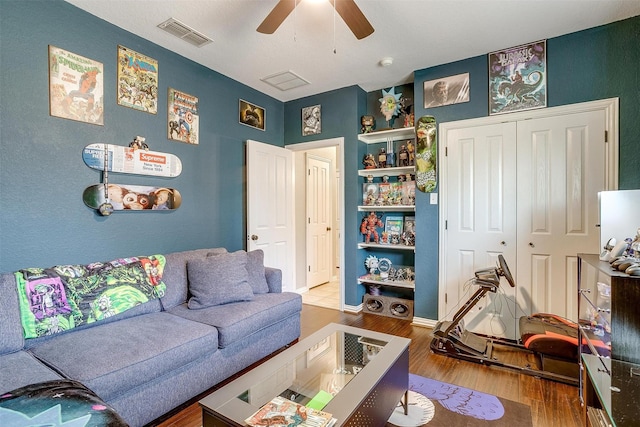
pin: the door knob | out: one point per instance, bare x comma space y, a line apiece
503, 243
328, 228
532, 245
254, 237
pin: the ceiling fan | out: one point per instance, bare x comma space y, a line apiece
347, 9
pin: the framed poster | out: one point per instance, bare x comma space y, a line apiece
518, 78
183, 122
393, 226
251, 115
137, 81
311, 120
447, 90
76, 89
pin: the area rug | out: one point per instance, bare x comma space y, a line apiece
436, 404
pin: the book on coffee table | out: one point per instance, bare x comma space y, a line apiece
287, 413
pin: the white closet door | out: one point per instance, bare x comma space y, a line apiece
480, 208
561, 169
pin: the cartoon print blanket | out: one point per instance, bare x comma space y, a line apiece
63, 297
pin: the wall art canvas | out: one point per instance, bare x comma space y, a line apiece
183, 121
137, 81
446, 91
252, 115
76, 89
518, 78
311, 120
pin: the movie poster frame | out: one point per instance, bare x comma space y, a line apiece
525, 60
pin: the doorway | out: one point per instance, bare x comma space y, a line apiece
328, 291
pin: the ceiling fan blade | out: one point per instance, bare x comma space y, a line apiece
277, 16
353, 17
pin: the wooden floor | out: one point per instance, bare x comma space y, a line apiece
552, 404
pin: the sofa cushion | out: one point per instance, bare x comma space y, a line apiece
236, 321
147, 347
257, 275
218, 280
175, 274
11, 337
20, 369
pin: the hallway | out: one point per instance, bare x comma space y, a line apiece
326, 295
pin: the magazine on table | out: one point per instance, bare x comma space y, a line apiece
282, 412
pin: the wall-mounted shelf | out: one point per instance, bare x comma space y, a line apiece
374, 279
385, 135
395, 171
390, 247
394, 208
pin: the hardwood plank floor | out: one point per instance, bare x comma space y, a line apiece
552, 404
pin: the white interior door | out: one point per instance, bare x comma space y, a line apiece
481, 219
561, 169
319, 220
270, 211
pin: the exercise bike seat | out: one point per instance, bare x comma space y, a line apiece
555, 336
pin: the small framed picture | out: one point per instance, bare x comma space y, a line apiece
311, 120
393, 226
251, 115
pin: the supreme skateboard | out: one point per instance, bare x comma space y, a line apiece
138, 161
123, 197
426, 154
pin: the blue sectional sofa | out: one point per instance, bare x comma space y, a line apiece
205, 326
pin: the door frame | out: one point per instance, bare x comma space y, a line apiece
339, 144
331, 168
611, 108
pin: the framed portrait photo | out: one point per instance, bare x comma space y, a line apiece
251, 115
311, 120
518, 78
446, 91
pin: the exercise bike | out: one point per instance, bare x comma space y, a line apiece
551, 340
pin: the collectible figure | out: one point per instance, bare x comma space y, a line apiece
369, 226
412, 152
403, 156
382, 158
368, 124
369, 161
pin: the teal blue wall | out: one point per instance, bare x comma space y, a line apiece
44, 222
598, 63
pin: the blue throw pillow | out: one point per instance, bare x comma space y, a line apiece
219, 279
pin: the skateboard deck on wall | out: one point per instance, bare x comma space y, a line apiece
129, 160
426, 154
132, 197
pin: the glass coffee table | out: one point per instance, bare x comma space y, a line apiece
358, 376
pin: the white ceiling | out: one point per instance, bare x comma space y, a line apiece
417, 34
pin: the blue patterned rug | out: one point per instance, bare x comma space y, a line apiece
433, 403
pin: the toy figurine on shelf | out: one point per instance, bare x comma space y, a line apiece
403, 156
412, 152
369, 161
368, 124
369, 226
139, 143
382, 158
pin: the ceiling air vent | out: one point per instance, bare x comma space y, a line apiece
285, 80
186, 33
